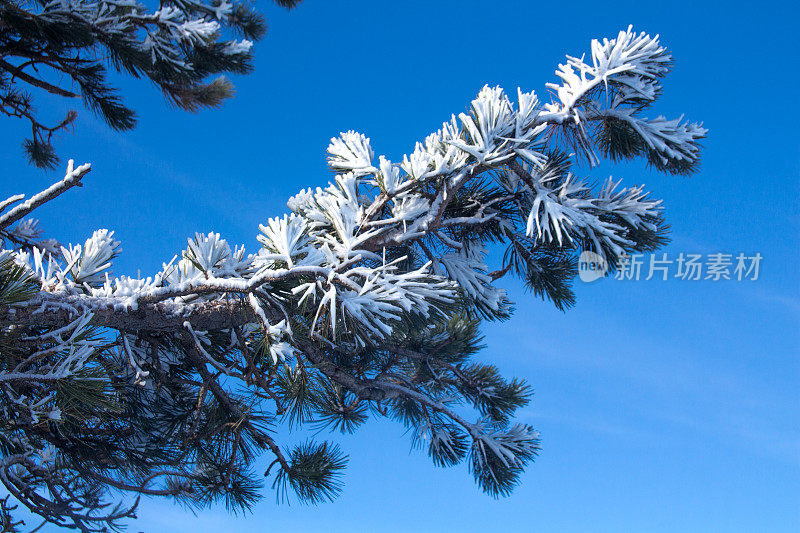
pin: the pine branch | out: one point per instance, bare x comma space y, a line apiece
178, 47
72, 178
366, 298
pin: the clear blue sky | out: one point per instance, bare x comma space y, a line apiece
663, 406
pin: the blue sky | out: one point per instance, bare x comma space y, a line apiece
663, 406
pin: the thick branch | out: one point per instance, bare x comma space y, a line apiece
19, 73
55, 310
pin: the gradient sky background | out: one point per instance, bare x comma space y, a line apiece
663, 406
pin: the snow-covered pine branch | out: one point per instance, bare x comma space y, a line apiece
367, 295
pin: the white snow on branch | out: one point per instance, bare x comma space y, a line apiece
459, 190
351, 152
467, 268
510, 446
88, 262
632, 61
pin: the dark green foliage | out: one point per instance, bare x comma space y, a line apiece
548, 270
185, 410
65, 51
447, 445
338, 410
102, 99
492, 395
298, 392
40, 153
671, 165
210, 95
16, 282
650, 240
314, 473
453, 339
618, 140
492, 475
475, 193
239, 489
498, 473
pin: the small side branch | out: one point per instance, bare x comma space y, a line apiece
73, 178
